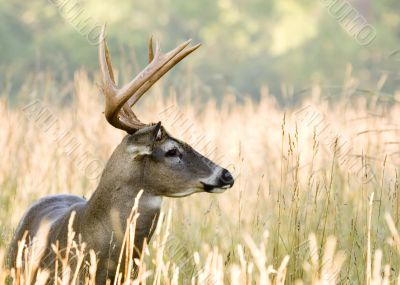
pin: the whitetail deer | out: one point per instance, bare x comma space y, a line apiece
147, 159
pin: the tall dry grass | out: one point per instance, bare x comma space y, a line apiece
316, 197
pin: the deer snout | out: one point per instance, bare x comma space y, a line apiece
219, 181
226, 178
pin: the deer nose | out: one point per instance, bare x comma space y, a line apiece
226, 178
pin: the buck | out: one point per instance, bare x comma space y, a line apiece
147, 159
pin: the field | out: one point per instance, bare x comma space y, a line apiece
316, 198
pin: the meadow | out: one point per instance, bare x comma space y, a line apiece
316, 198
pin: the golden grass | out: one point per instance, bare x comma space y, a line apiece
301, 211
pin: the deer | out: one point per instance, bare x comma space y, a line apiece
148, 160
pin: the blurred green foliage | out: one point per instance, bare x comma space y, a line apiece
287, 45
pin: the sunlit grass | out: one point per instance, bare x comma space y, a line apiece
300, 205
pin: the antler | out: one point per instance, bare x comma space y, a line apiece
119, 101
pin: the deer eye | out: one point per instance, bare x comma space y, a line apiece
173, 152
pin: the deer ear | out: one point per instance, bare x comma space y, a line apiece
142, 142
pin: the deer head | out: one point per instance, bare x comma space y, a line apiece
164, 165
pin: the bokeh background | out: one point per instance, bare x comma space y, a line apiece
285, 45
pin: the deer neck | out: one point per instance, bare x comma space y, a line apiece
109, 208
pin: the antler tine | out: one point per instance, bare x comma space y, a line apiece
157, 63
109, 88
120, 100
170, 64
168, 61
150, 47
104, 58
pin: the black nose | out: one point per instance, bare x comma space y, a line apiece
226, 178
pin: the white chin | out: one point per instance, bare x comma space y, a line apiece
184, 193
219, 190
